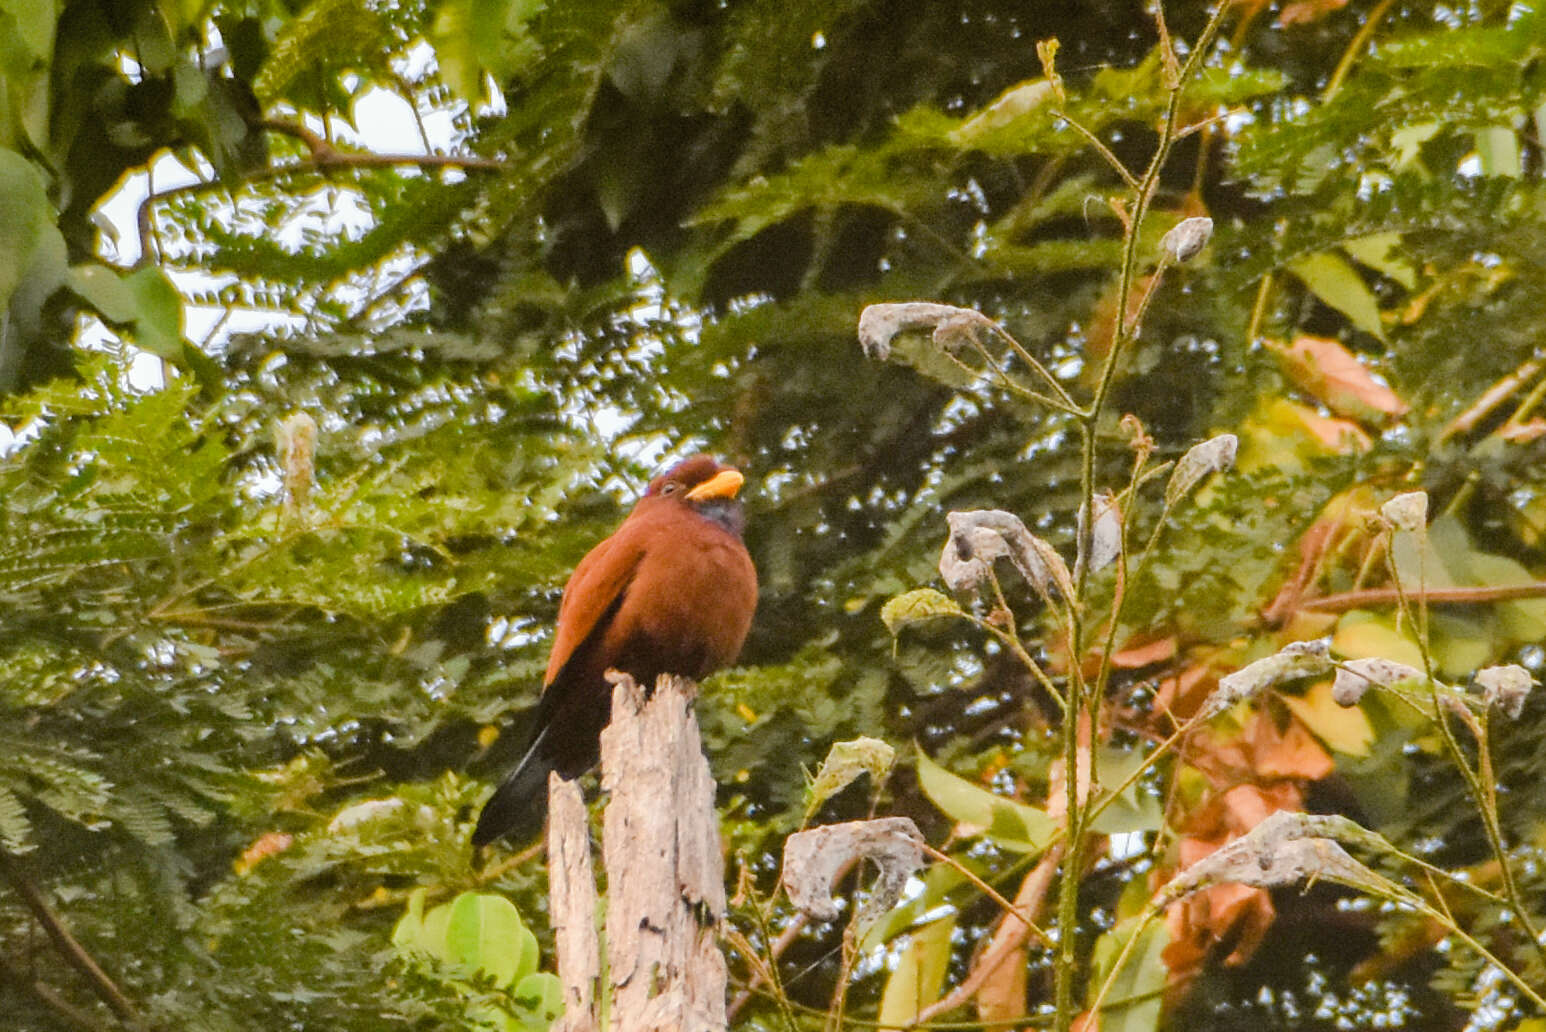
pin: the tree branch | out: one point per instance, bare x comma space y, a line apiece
51, 998
324, 157
67, 944
1342, 601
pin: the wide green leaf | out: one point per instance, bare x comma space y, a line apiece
1013, 824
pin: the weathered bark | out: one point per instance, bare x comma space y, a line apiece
665, 874
572, 904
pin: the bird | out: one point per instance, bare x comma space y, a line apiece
673, 590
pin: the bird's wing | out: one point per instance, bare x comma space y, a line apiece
593, 593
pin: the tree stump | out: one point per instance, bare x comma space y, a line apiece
572, 905
665, 874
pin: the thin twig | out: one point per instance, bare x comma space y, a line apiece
1492, 397
324, 158
1006, 939
989, 891
771, 974
51, 998
1360, 40
1031, 360
1343, 601
1480, 792
1066, 960
1100, 148
76, 954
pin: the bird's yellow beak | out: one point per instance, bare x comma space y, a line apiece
723, 484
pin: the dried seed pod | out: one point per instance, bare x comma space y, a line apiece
879, 324
1106, 531
296, 442
1505, 687
1215, 455
1357, 676
1407, 511
1297, 659
813, 860
1186, 238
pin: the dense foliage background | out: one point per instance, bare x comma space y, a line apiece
265, 603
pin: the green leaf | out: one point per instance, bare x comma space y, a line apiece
14, 825
1141, 979
541, 993
474, 37
938, 882
1333, 279
1497, 148
1135, 809
105, 290
158, 319
409, 932
25, 217
917, 606
485, 933
1382, 252
1014, 825
433, 937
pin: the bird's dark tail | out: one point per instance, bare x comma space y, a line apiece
519, 806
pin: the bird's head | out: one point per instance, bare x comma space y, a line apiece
704, 485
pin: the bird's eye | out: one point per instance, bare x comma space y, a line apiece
671, 488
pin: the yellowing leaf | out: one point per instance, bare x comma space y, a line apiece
1361, 634
919, 975
1345, 729
846, 761
1283, 433
1010, 106
916, 606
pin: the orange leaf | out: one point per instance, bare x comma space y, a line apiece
1207, 918
1521, 433
1057, 774
1325, 369
1302, 12
1135, 656
1290, 753
1246, 806
265, 846
1180, 696
1001, 997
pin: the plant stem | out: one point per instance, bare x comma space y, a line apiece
1082, 702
